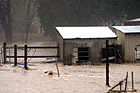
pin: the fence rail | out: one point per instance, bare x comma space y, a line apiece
41, 47
31, 56
26, 51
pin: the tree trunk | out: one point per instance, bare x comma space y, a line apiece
6, 21
27, 24
8, 32
29, 18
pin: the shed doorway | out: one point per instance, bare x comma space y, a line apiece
81, 54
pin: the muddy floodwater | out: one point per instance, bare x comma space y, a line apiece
73, 79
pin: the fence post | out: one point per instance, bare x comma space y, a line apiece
25, 57
57, 64
107, 63
57, 69
0, 57
4, 52
132, 80
15, 55
116, 53
120, 87
126, 81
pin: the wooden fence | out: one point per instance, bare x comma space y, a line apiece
25, 48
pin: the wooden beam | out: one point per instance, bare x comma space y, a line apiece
25, 57
31, 56
107, 63
118, 91
132, 80
4, 52
41, 47
15, 55
126, 81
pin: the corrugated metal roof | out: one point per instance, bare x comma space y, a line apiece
137, 19
128, 29
85, 32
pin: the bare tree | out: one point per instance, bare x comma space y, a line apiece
6, 19
30, 16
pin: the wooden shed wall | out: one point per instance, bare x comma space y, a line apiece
95, 48
131, 40
60, 44
128, 43
121, 41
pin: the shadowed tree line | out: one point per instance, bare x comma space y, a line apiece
5, 18
54, 13
18, 16
22, 15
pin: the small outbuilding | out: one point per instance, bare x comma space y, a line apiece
83, 44
132, 22
129, 39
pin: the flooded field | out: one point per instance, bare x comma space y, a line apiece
78, 79
73, 79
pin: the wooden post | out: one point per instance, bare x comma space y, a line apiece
15, 55
126, 81
116, 53
57, 64
1, 55
25, 57
120, 87
107, 64
57, 69
132, 80
9, 55
4, 52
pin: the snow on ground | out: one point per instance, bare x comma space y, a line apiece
73, 79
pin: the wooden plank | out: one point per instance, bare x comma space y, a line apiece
126, 81
117, 84
42, 47
20, 47
83, 56
107, 63
132, 80
4, 52
118, 91
110, 58
25, 57
57, 64
15, 55
31, 56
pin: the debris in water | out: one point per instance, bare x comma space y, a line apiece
50, 73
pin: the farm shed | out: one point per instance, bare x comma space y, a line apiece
129, 39
83, 44
133, 22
